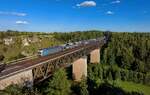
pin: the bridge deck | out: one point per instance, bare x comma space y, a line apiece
28, 64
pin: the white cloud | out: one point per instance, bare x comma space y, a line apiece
21, 22
109, 13
12, 13
87, 4
116, 2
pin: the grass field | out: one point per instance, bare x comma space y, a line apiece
129, 87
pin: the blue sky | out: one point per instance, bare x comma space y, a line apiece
74, 15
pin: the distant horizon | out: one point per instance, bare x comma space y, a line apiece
75, 15
78, 31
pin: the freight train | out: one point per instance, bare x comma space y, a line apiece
52, 50
55, 49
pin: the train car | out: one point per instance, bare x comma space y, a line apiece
50, 50
70, 45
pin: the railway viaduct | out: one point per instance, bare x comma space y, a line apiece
33, 71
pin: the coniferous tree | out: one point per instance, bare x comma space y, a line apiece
59, 85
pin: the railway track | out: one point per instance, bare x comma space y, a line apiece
21, 59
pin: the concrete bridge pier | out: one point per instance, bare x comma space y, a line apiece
79, 68
95, 56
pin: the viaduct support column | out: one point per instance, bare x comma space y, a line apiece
95, 56
79, 68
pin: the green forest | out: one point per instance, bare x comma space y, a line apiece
124, 68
